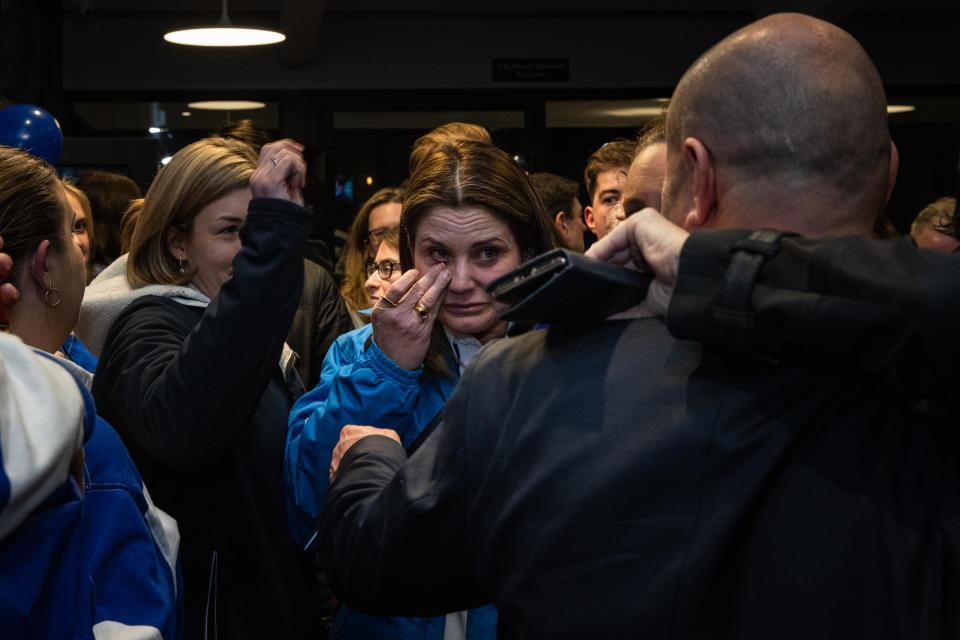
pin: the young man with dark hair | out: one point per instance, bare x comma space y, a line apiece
605, 176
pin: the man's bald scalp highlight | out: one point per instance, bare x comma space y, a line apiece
790, 99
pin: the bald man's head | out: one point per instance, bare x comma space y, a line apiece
787, 106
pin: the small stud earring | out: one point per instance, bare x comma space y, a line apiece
180, 260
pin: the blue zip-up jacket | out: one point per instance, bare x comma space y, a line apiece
359, 384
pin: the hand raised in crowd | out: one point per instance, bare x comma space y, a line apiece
646, 241
349, 436
404, 316
281, 173
8, 293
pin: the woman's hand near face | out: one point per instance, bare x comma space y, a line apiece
400, 332
8, 293
281, 173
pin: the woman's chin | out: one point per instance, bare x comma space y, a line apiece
469, 324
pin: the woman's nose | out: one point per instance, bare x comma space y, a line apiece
460, 277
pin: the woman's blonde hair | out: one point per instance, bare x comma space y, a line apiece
356, 256
196, 175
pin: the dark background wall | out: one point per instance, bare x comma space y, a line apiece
359, 80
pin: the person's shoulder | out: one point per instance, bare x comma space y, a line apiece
572, 337
152, 307
572, 348
146, 317
356, 340
317, 279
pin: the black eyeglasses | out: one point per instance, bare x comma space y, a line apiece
385, 268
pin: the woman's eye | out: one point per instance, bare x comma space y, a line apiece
439, 254
79, 226
488, 254
231, 229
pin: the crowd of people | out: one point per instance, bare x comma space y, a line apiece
206, 435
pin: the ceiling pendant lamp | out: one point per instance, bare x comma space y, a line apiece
225, 34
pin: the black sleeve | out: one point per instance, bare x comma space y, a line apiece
331, 320
873, 305
393, 532
182, 391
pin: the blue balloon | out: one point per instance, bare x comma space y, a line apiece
31, 129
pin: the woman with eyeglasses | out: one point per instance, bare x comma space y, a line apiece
469, 216
377, 216
385, 269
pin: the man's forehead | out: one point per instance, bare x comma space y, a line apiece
650, 161
612, 178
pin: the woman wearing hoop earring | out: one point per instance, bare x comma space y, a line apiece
112, 562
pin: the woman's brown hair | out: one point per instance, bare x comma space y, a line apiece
355, 257
451, 132
464, 175
197, 175
109, 195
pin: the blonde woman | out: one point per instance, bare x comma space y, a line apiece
194, 374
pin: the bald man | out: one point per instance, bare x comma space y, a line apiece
696, 493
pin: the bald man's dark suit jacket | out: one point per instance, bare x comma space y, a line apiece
619, 482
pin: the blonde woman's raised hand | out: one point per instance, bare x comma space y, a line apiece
281, 172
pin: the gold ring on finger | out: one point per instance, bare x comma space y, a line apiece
384, 298
422, 310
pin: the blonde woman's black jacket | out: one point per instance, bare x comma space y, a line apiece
200, 400
628, 483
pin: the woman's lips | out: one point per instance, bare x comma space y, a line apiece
464, 309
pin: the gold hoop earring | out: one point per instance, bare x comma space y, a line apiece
46, 297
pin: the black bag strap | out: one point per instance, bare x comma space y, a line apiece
734, 315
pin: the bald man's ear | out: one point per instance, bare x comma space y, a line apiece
704, 180
892, 174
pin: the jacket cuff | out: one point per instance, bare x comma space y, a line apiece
384, 448
267, 208
387, 368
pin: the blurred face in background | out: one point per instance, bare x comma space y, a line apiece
382, 218
68, 273
80, 225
